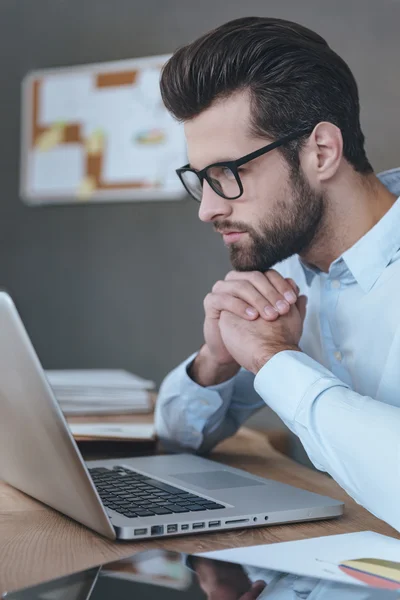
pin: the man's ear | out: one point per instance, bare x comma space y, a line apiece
323, 152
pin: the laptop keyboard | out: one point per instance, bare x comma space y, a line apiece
135, 495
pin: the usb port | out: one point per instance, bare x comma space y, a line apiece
184, 527
140, 531
198, 525
172, 528
214, 523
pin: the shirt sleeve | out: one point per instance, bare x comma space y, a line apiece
355, 438
196, 418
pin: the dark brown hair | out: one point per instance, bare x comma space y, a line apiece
295, 80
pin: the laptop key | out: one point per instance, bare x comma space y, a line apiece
213, 506
99, 470
145, 513
162, 511
175, 508
193, 498
163, 486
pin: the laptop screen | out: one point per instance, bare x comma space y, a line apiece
164, 575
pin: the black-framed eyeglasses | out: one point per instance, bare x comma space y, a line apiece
223, 177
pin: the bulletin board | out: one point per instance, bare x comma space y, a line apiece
99, 132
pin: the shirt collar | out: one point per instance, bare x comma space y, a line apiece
372, 253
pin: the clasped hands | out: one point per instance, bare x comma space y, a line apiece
251, 316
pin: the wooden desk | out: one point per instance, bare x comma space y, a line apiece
37, 543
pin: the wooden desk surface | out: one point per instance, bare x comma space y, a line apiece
37, 543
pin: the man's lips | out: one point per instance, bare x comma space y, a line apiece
230, 237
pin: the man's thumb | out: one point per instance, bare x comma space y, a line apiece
302, 306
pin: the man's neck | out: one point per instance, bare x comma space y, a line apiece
351, 211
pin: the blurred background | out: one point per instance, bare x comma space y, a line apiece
121, 285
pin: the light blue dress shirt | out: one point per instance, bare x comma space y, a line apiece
341, 394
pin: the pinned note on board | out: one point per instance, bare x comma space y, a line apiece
99, 132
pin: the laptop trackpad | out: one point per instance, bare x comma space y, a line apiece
217, 480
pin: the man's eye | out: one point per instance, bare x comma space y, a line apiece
228, 173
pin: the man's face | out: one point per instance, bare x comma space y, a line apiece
278, 214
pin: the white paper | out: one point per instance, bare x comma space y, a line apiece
73, 410
316, 557
60, 169
100, 391
97, 378
98, 396
65, 98
114, 430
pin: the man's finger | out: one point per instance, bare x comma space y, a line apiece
283, 286
247, 292
214, 304
274, 292
294, 285
302, 306
255, 591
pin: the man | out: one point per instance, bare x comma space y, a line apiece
277, 162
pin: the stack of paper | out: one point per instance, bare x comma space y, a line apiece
113, 431
100, 392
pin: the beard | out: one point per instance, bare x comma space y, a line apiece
290, 232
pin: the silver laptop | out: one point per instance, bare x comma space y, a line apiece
134, 498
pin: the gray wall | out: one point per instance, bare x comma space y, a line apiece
121, 285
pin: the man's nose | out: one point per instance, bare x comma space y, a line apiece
213, 206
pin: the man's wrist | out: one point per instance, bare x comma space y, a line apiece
261, 359
205, 371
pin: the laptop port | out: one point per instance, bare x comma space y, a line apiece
236, 521
214, 523
172, 528
157, 530
184, 527
140, 531
198, 525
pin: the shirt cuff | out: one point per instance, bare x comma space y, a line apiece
203, 402
291, 379
198, 406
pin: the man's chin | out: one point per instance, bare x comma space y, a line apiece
245, 260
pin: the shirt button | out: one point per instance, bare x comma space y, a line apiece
338, 356
204, 402
335, 284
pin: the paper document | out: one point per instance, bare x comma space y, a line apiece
364, 558
128, 431
98, 391
97, 378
